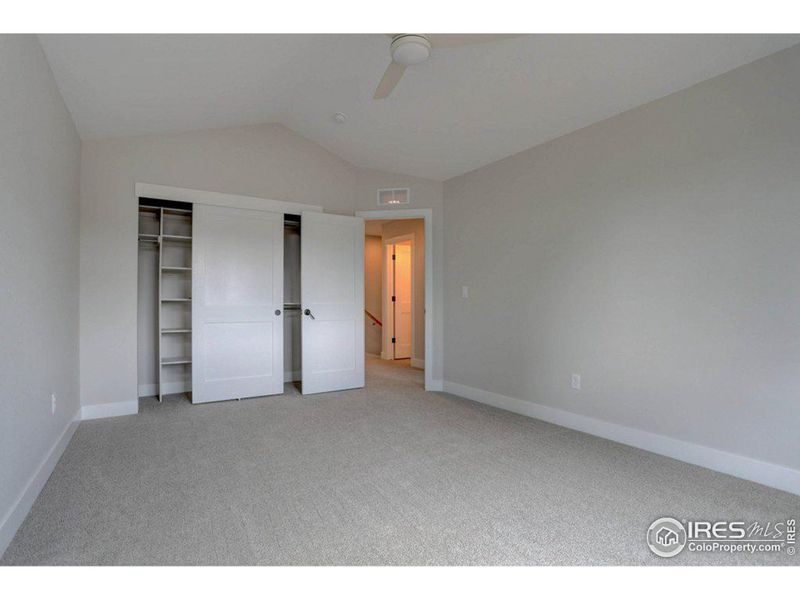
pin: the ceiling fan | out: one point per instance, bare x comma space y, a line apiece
408, 49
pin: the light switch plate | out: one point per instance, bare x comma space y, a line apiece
576, 381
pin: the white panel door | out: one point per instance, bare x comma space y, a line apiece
237, 303
403, 319
332, 300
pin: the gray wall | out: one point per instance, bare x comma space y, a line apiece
657, 254
267, 161
39, 171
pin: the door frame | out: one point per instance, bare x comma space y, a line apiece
386, 338
167, 192
431, 278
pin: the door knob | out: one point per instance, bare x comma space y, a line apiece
307, 312
277, 312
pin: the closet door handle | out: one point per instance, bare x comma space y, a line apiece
307, 312
277, 312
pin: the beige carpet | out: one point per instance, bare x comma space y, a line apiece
388, 474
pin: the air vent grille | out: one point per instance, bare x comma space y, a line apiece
393, 196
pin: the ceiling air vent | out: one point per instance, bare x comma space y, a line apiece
393, 196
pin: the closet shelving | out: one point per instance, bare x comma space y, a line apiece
170, 229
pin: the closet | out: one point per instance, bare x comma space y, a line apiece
165, 290
234, 303
291, 299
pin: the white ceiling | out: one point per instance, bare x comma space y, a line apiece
464, 108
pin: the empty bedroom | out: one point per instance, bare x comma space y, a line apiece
524, 292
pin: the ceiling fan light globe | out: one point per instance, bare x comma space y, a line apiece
410, 49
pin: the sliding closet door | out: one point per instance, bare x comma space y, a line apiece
237, 303
332, 292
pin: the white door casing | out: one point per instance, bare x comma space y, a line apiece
332, 292
237, 303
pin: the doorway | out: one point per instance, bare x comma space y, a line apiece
394, 292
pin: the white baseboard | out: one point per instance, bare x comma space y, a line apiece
770, 474
418, 363
17, 513
112, 409
290, 376
170, 387
436, 385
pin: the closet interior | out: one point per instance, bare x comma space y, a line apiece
292, 324
165, 299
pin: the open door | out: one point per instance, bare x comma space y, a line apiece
402, 304
237, 303
332, 294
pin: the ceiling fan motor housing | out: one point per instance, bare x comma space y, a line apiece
409, 49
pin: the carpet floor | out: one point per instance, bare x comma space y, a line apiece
388, 474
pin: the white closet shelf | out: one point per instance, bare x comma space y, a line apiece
176, 299
176, 330
176, 268
178, 360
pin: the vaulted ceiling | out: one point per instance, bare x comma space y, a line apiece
464, 108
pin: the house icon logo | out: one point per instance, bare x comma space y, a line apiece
666, 537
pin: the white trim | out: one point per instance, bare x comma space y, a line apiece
20, 509
386, 308
166, 192
430, 317
777, 476
417, 363
111, 409
436, 385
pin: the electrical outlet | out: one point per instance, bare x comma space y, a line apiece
464, 291
576, 381
53, 403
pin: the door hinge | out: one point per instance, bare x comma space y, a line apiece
394, 340
394, 298
394, 257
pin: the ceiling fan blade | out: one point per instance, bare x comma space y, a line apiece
449, 40
390, 79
